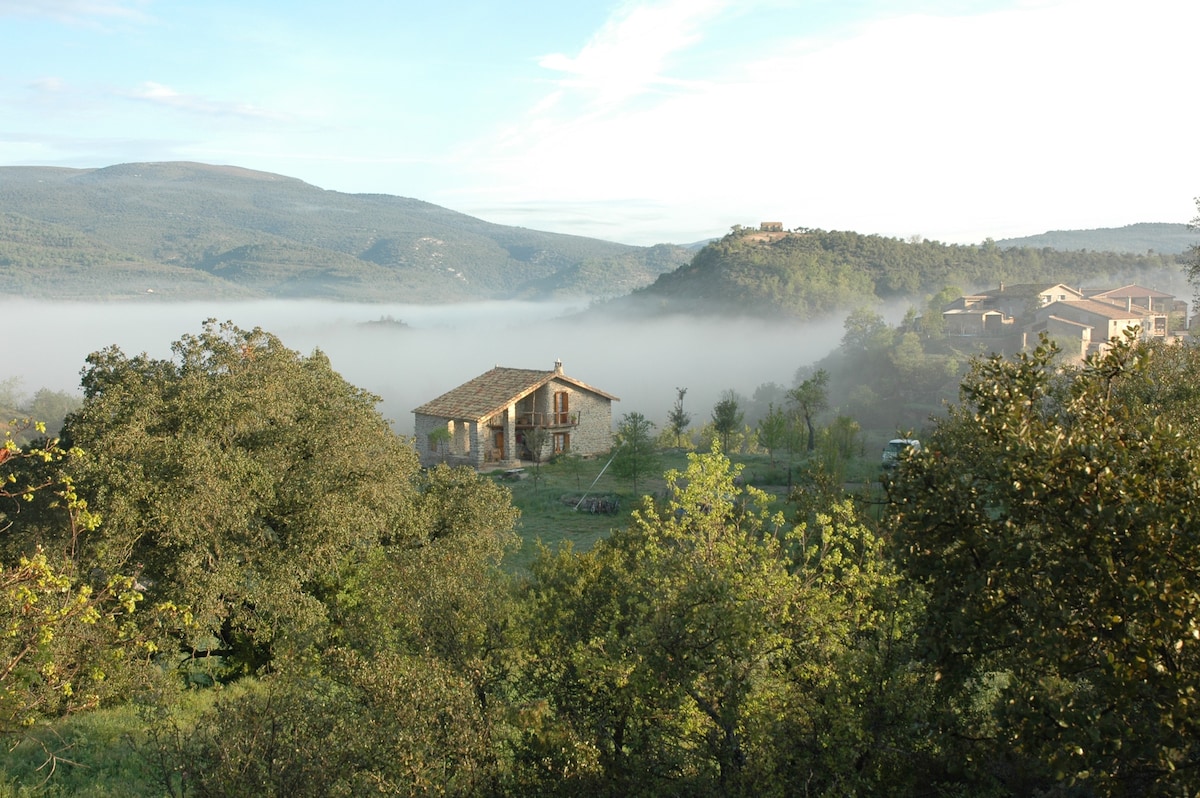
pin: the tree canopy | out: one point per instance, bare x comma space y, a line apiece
1054, 522
238, 476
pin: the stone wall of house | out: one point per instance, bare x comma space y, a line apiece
593, 435
459, 450
423, 426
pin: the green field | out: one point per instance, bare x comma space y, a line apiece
547, 495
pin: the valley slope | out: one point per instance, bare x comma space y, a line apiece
188, 231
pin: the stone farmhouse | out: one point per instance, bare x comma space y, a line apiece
1074, 318
503, 415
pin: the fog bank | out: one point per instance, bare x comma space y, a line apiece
442, 346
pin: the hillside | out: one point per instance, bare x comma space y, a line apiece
186, 231
1167, 239
811, 273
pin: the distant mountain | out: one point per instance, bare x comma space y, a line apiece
188, 231
1165, 239
807, 274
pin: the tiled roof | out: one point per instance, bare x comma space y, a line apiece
1070, 322
972, 312
1103, 309
492, 391
1023, 290
1133, 290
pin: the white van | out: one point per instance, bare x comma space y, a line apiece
896, 447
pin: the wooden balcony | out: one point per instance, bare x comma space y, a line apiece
547, 420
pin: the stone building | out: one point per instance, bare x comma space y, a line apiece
506, 415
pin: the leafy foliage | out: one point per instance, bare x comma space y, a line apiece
678, 419
64, 637
1053, 520
727, 417
1192, 261
389, 724
238, 476
810, 398
707, 649
634, 453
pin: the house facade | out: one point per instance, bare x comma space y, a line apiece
1155, 306
1093, 322
506, 415
1010, 301
1087, 322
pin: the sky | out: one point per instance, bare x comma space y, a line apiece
640, 122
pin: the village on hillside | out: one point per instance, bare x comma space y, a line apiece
1082, 322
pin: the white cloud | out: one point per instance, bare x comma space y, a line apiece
159, 94
48, 85
631, 52
1050, 114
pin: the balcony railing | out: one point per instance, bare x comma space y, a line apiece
547, 420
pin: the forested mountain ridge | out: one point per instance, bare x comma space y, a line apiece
187, 231
1168, 239
807, 273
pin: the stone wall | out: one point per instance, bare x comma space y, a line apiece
593, 435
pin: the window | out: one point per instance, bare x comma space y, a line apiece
561, 409
562, 442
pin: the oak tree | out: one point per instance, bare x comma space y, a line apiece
1054, 521
238, 475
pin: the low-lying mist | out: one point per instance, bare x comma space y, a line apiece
439, 347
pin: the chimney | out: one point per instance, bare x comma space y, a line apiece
558, 367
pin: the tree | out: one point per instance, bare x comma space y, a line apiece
933, 323
811, 397
634, 454
709, 649
536, 440
677, 419
865, 332
52, 407
656, 640
1053, 520
727, 417
65, 638
839, 443
765, 395
441, 438
405, 693
1193, 256
773, 431
239, 475
10, 394
348, 725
